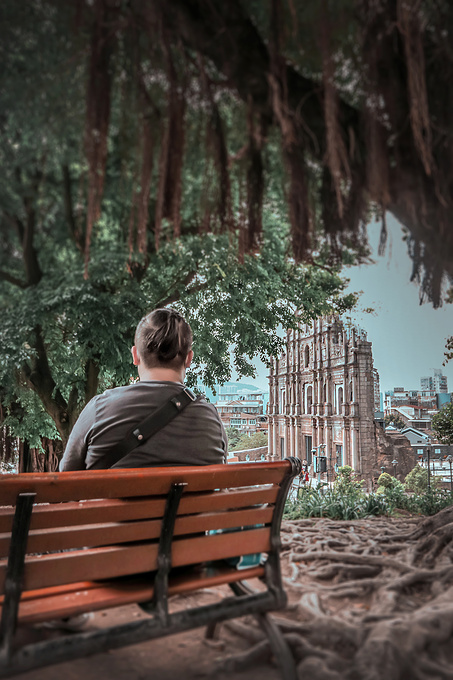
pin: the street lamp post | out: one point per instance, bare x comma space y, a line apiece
394, 463
428, 452
315, 452
450, 461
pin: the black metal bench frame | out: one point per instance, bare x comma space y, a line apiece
245, 601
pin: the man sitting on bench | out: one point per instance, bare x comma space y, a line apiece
186, 431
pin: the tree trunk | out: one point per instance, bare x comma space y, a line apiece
45, 459
25, 462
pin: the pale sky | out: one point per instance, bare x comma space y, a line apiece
408, 338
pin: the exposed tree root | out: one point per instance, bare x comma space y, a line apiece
433, 545
259, 653
368, 600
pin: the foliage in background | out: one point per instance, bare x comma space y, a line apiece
91, 239
325, 502
254, 441
386, 481
144, 163
442, 424
347, 500
395, 420
344, 102
417, 480
233, 435
347, 481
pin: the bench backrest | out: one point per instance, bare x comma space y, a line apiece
104, 524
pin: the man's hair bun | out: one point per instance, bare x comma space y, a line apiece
163, 337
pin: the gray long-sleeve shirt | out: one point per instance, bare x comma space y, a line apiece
196, 436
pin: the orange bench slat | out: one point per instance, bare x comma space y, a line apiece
111, 562
54, 603
70, 486
117, 510
95, 535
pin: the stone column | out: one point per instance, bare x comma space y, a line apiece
354, 448
345, 445
290, 450
298, 436
270, 436
328, 450
276, 442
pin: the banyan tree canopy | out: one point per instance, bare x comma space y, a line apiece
347, 102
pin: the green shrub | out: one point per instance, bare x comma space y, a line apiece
322, 502
417, 480
396, 495
252, 441
346, 481
432, 501
346, 500
386, 481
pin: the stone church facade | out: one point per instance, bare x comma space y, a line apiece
322, 398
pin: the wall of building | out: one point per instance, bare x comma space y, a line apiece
246, 455
395, 455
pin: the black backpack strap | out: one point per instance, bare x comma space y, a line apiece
146, 429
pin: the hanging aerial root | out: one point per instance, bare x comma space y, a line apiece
97, 117
336, 153
410, 28
255, 184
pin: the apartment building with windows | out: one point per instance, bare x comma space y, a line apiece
436, 383
242, 406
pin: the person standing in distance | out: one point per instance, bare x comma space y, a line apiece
162, 352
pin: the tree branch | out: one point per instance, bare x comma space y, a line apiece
74, 231
40, 380
34, 273
17, 224
12, 279
176, 290
91, 379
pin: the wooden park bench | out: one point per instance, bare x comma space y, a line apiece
77, 542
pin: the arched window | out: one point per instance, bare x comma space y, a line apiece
309, 398
302, 398
340, 399
307, 356
351, 392
324, 393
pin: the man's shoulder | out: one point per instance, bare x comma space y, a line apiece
139, 390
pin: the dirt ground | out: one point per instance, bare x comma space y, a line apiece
185, 656
368, 600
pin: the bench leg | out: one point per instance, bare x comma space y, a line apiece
15, 572
211, 632
279, 646
277, 642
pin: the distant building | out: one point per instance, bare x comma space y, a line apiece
417, 407
323, 396
436, 383
443, 399
242, 407
417, 417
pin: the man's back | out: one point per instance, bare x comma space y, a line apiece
194, 437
